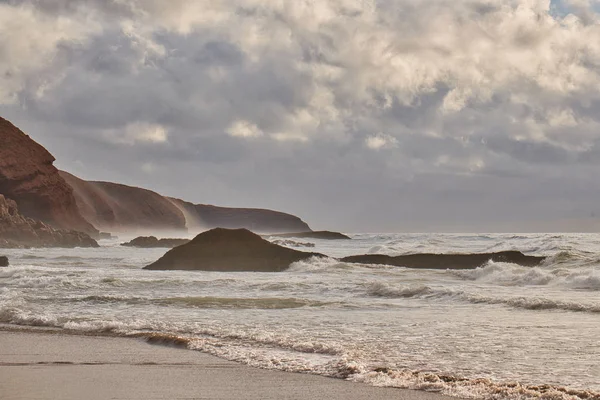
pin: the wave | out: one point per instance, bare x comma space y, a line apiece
379, 289
332, 361
478, 388
318, 264
585, 278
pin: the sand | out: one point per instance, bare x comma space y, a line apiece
53, 365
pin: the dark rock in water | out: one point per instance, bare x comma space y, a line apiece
152, 241
314, 235
17, 231
229, 250
446, 261
3, 261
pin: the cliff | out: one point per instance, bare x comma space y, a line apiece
114, 207
229, 250
254, 219
63, 201
19, 231
28, 176
117, 208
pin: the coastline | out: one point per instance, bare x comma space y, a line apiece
51, 364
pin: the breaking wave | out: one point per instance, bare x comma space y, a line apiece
385, 290
583, 278
479, 388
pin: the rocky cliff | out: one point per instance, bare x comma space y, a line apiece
117, 208
19, 231
63, 201
28, 177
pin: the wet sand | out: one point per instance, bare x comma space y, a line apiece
51, 365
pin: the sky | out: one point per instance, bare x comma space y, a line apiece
356, 115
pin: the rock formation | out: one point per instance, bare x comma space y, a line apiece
114, 207
28, 177
118, 208
229, 250
19, 231
153, 241
63, 201
314, 235
4, 261
446, 261
254, 219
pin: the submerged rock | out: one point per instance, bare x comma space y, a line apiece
229, 250
314, 235
3, 261
152, 241
447, 261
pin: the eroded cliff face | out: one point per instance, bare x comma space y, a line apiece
119, 208
19, 231
114, 207
28, 177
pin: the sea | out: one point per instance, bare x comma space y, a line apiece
500, 331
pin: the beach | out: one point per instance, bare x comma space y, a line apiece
55, 365
501, 331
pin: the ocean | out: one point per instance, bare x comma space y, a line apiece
500, 332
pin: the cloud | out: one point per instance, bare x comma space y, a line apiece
381, 141
138, 132
244, 129
468, 92
31, 44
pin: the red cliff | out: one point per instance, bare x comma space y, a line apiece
114, 207
28, 177
63, 201
19, 231
119, 208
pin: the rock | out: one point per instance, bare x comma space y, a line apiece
152, 241
446, 261
120, 208
229, 250
314, 235
17, 231
3, 261
28, 177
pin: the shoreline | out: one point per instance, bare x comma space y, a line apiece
52, 363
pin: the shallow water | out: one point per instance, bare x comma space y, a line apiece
501, 331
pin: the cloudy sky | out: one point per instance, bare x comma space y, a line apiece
357, 115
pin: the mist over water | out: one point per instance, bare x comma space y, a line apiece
500, 331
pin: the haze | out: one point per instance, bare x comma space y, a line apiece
445, 115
